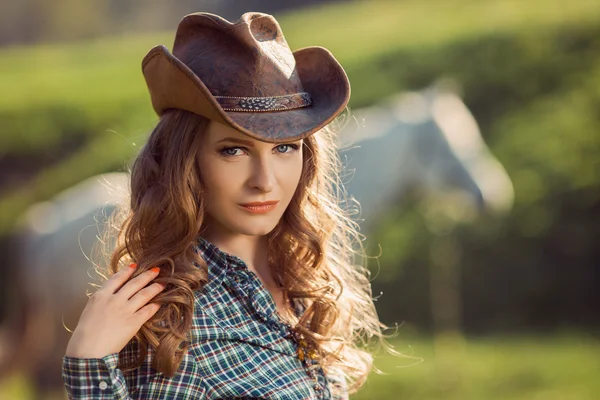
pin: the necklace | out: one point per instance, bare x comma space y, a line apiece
306, 353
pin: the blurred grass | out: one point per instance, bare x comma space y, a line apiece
515, 368
562, 367
364, 30
357, 32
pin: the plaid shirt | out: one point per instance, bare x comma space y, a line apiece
238, 349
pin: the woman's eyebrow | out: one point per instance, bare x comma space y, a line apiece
236, 140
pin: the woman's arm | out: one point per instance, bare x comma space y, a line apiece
100, 379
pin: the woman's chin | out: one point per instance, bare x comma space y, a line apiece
256, 228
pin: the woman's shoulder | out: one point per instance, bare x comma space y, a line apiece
204, 323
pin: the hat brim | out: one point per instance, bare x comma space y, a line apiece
172, 84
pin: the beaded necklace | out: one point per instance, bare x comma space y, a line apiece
306, 353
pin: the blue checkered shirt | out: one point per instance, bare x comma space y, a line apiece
238, 350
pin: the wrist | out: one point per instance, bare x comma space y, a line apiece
84, 354
77, 350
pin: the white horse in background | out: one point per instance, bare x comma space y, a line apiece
424, 139
428, 141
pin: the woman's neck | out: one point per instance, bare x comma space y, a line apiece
253, 250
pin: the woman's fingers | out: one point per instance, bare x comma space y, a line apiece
142, 297
117, 280
136, 284
146, 312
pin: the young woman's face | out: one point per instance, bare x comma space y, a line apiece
237, 170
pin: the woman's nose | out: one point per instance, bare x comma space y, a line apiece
263, 175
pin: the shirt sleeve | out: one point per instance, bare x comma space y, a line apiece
101, 379
94, 378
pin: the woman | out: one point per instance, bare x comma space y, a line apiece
238, 236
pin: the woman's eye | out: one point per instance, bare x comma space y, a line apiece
282, 148
231, 151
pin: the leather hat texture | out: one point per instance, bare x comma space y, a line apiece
244, 75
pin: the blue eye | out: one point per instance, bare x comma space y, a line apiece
294, 147
230, 151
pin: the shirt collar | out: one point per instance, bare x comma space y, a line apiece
219, 262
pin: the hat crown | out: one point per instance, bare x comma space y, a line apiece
245, 76
248, 58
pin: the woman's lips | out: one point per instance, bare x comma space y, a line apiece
260, 208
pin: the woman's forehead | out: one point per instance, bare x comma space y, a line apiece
218, 132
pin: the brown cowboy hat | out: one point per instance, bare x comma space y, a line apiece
245, 76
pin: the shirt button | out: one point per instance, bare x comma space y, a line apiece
103, 385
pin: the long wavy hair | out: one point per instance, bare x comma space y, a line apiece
313, 249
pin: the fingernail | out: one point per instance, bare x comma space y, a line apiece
156, 270
133, 265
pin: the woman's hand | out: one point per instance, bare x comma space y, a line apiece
114, 314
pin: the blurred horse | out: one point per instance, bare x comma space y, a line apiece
426, 141
423, 139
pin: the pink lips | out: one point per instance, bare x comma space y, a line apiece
260, 207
